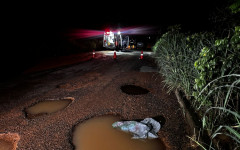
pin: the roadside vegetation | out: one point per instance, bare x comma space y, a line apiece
206, 68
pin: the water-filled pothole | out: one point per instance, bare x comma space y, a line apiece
48, 107
9, 141
5, 145
98, 134
134, 90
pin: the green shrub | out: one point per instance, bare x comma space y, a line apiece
235, 7
208, 71
175, 54
217, 87
221, 59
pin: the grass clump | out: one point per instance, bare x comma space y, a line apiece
176, 53
207, 70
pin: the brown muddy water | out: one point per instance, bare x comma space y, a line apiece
98, 134
47, 107
5, 145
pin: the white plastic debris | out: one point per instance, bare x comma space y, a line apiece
147, 128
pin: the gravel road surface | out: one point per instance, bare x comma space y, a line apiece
96, 87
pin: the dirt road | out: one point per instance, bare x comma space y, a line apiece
96, 87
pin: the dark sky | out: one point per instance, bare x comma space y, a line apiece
34, 21
92, 14
33, 29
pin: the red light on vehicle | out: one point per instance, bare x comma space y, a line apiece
107, 31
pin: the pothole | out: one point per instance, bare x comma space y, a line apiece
134, 90
48, 107
9, 141
98, 134
5, 145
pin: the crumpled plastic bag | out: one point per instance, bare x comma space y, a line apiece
147, 128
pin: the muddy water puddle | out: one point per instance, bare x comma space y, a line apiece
98, 134
5, 145
47, 107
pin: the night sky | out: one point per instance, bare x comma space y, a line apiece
42, 18
32, 31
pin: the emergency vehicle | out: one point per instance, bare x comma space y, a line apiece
115, 40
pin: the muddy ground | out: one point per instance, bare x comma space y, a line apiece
96, 87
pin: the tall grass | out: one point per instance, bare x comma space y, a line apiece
175, 55
170, 57
216, 88
223, 118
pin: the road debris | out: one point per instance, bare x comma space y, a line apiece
147, 128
